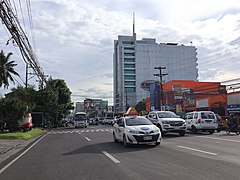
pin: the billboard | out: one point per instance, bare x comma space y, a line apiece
202, 103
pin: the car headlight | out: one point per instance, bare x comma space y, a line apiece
133, 131
165, 122
156, 130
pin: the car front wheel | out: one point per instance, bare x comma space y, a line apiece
194, 130
114, 138
182, 133
211, 131
125, 141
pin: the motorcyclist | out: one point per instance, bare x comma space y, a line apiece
232, 124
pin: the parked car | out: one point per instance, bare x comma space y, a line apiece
168, 121
102, 121
93, 121
219, 122
109, 120
201, 120
136, 130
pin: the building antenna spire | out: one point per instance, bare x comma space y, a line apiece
134, 34
133, 23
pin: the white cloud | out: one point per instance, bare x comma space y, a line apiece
75, 38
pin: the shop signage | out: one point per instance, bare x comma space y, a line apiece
233, 107
146, 84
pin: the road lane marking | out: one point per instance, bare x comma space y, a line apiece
230, 140
82, 131
111, 157
14, 160
87, 139
198, 150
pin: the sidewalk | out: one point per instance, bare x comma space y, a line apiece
10, 147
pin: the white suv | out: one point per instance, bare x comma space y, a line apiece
168, 121
201, 120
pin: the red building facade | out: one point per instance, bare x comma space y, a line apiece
183, 96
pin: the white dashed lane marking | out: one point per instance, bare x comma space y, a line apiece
80, 131
198, 150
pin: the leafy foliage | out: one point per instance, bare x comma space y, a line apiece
54, 100
26, 95
6, 69
12, 110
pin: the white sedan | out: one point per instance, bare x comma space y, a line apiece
136, 130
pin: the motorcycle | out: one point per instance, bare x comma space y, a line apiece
235, 129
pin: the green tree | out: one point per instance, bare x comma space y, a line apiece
54, 100
12, 110
6, 69
27, 95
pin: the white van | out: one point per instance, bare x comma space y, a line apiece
80, 120
201, 120
168, 121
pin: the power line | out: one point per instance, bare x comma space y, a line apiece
15, 29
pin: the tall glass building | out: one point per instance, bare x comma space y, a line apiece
134, 62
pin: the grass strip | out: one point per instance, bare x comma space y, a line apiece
22, 135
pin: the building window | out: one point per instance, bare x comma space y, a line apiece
129, 60
130, 89
127, 42
128, 48
129, 54
126, 71
131, 77
129, 65
129, 83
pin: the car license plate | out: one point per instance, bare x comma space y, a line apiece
147, 138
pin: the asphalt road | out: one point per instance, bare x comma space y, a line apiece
91, 154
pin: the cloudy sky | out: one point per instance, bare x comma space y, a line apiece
73, 39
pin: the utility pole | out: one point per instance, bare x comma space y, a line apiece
160, 75
12, 24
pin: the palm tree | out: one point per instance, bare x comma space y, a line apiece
6, 69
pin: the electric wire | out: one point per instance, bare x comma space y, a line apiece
14, 5
21, 10
31, 23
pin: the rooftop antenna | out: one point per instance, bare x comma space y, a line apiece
134, 34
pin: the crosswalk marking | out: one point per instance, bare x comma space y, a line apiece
79, 131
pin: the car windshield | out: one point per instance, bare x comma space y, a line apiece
167, 115
137, 122
79, 117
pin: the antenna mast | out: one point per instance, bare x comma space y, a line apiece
134, 34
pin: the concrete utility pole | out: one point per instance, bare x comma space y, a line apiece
160, 75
